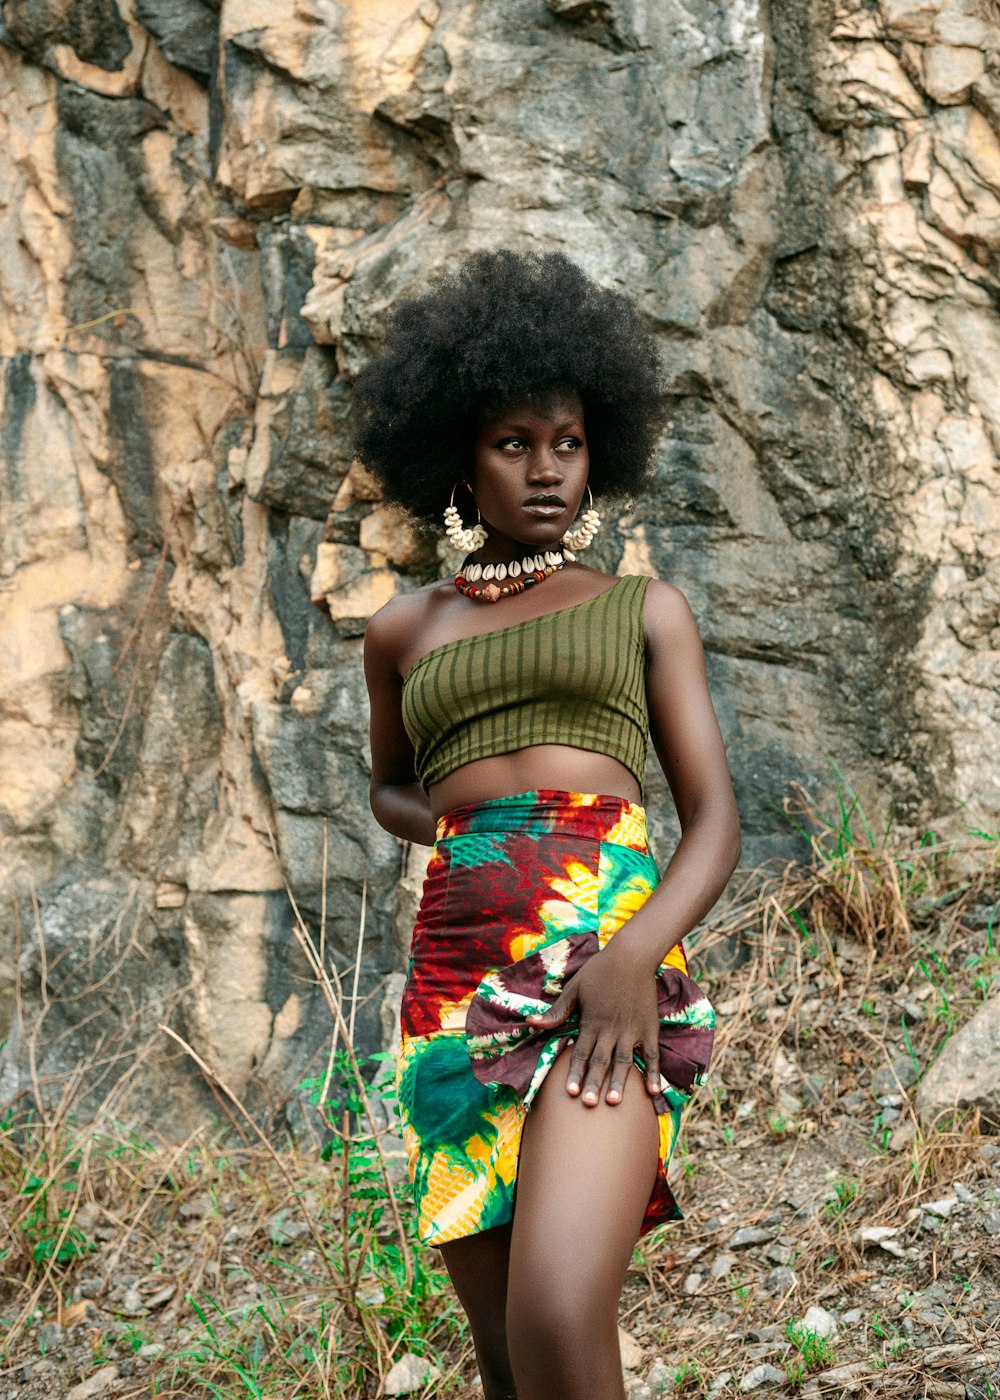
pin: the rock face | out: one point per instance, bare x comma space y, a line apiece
205, 211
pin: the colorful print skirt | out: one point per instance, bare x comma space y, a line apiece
519, 892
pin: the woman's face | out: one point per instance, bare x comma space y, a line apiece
529, 474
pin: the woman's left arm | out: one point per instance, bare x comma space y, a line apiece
615, 990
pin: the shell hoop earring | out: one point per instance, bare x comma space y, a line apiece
590, 523
465, 538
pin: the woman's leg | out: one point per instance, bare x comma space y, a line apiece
477, 1266
584, 1179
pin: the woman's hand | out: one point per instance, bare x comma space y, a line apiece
615, 995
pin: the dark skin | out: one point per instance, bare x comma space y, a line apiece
541, 1293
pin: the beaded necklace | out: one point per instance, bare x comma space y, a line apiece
490, 582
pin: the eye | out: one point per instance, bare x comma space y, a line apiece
571, 442
514, 442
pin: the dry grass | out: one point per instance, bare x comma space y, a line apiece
262, 1270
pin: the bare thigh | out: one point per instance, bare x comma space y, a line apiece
585, 1176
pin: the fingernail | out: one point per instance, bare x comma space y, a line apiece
614, 1096
590, 1096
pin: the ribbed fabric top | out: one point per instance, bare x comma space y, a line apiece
575, 676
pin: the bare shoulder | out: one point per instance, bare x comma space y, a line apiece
393, 625
667, 613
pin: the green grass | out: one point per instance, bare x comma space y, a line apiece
845, 1192
817, 1352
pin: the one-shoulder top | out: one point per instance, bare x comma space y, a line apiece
576, 676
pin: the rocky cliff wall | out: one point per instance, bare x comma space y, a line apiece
204, 211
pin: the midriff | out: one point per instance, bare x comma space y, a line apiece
540, 766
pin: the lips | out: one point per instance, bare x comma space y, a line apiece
544, 505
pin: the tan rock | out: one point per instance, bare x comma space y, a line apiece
389, 537
950, 73
916, 158
363, 595
875, 78
357, 485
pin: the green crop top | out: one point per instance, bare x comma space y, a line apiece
575, 676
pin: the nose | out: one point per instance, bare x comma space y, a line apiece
544, 467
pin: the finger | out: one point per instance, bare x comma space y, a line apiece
651, 1059
579, 1056
598, 1067
620, 1065
557, 1012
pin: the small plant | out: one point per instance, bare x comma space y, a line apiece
988, 961
688, 1376
134, 1337
817, 1352
48, 1223
795, 1374
941, 1008
845, 1191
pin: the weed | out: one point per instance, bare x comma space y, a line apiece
941, 1008
688, 1376
845, 1191
795, 1374
817, 1352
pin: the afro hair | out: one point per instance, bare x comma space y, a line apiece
502, 329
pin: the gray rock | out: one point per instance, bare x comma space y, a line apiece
780, 1253
96, 1384
942, 1207
632, 1353
660, 1378
900, 1073
761, 1376
852, 1376
991, 1222
282, 1229
410, 1373
748, 1235
818, 1320
636, 1389
964, 1074
780, 1281
50, 1337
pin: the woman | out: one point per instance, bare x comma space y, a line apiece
550, 1031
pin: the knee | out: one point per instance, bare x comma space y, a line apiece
545, 1320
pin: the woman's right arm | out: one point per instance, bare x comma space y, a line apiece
398, 801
